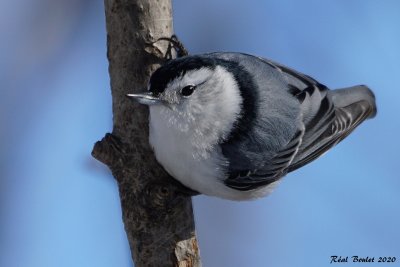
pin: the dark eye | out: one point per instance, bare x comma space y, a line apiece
187, 90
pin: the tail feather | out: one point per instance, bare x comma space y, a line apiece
352, 106
347, 96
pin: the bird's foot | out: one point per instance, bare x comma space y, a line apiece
175, 44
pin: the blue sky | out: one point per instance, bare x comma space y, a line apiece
59, 207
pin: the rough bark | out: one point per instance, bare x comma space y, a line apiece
158, 218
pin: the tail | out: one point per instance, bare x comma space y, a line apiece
354, 96
352, 106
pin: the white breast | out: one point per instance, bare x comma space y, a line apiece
203, 172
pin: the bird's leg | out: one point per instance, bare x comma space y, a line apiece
176, 44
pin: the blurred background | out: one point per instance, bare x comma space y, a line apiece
59, 207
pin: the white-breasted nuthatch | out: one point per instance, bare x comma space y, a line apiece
232, 125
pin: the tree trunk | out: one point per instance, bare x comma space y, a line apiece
158, 218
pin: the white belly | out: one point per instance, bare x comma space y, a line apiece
202, 170
179, 158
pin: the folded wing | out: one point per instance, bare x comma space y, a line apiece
328, 117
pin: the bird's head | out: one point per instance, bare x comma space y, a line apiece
194, 92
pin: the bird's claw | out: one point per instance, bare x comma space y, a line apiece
176, 44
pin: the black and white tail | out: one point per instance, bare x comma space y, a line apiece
340, 112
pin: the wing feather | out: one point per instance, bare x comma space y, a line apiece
324, 125
251, 179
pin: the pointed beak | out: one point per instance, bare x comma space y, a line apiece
146, 98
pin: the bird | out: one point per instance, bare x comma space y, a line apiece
232, 125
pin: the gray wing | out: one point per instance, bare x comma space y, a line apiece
327, 118
250, 179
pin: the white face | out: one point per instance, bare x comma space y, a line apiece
201, 105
